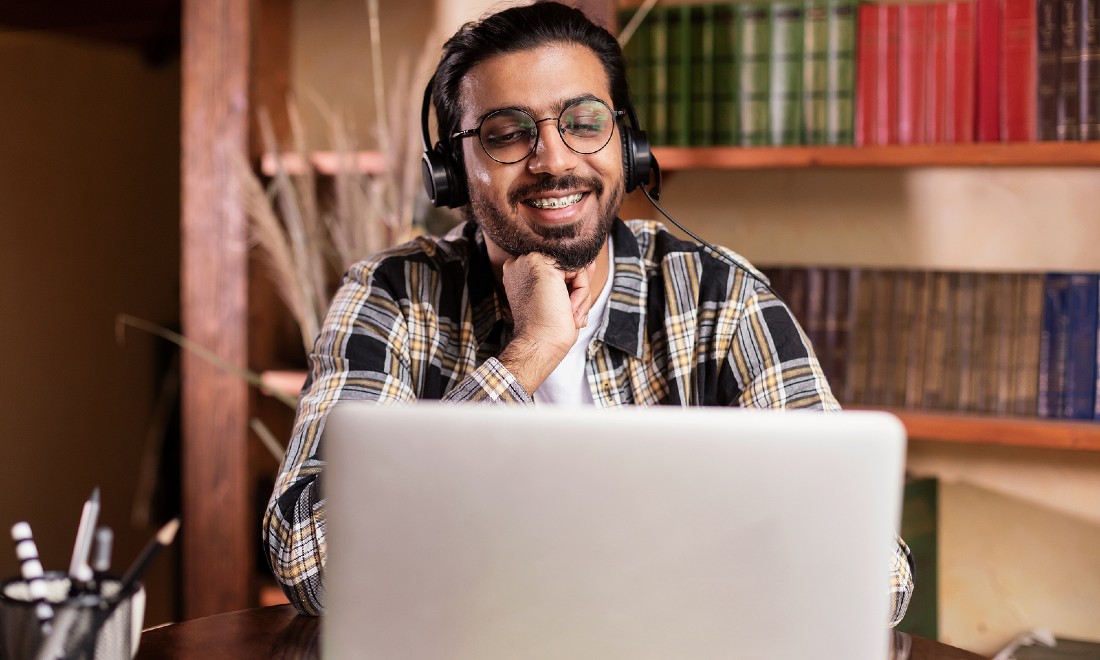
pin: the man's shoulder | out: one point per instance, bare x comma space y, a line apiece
425, 253
657, 246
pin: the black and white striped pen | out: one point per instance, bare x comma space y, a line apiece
31, 569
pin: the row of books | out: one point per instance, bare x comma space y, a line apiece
986, 71
839, 72
1010, 344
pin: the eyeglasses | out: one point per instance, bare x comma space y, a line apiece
510, 135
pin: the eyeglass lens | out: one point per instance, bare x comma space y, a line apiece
509, 135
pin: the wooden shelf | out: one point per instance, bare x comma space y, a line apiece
994, 154
1023, 154
920, 425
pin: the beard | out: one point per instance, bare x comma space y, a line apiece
569, 246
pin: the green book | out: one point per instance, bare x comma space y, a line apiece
785, 74
658, 77
840, 87
726, 128
702, 76
678, 22
815, 70
636, 56
753, 48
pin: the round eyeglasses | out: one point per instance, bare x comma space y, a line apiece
510, 135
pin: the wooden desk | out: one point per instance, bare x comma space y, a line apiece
278, 633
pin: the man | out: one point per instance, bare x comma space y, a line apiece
543, 295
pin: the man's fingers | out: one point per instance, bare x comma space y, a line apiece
580, 298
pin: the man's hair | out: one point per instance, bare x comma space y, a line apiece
514, 30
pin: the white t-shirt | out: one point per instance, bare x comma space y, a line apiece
568, 385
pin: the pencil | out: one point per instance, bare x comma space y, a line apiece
163, 538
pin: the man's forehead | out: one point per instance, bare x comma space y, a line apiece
539, 80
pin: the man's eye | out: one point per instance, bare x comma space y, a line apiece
506, 137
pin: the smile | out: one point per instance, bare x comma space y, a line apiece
554, 202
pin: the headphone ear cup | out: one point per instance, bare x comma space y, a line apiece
444, 180
628, 159
636, 158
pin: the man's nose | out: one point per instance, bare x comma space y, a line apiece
551, 155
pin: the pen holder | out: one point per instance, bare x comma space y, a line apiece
99, 624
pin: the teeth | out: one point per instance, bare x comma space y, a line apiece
556, 202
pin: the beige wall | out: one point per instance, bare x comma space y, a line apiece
1034, 219
89, 226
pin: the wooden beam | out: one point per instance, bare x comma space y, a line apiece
218, 534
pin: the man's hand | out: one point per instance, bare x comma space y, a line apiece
548, 308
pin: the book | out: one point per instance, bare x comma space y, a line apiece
841, 67
1048, 68
860, 300
1089, 77
962, 368
1082, 297
837, 333
1006, 310
916, 356
867, 74
1020, 85
959, 103
938, 340
902, 320
987, 99
882, 325
815, 71
912, 76
636, 58
935, 130
657, 29
701, 126
1069, 59
753, 48
1026, 355
726, 71
678, 24
785, 74
814, 318
1053, 344
886, 79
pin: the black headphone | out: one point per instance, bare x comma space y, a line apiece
445, 176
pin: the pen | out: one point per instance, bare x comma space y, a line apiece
83, 545
104, 539
31, 568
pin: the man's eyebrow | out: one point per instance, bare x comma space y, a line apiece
557, 108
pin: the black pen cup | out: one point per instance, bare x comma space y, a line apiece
96, 623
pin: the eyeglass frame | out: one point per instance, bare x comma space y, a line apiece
616, 115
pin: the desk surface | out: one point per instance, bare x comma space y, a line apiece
274, 633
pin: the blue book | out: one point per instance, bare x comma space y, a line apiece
1081, 305
1053, 345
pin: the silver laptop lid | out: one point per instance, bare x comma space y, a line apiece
490, 532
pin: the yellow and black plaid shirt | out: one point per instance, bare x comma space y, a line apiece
424, 321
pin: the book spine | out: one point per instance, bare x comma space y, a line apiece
959, 121
1006, 316
841, 85
815, 71
658, 77
636, 58
936, 355
679, 75
837, 331
1053, 345
882, 317
860, 301
917, 356
913, 64
726, 126
815, 308
1019, 85
702, 75
1080, 358
867, 75
886, 112
987, 101
785, 74
1026, 359
937, 72
1089, 114
1069, 87
902, 321
753, 41
1049, 72
966, 321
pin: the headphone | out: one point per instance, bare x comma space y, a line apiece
445, 176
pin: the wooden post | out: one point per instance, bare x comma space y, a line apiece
218, 533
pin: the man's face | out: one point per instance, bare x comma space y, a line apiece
555, 201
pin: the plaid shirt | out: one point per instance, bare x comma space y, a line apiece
424, 321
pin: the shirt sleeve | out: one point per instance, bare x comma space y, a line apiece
364, 352
901, 581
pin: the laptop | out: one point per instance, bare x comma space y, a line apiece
557, 532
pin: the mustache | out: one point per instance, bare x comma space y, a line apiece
554, 184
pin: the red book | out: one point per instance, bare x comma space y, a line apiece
987, 102
866, 73
937, 72
913, 76
960, 70
886, 80
1019, 102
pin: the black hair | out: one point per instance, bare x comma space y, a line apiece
518, 29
